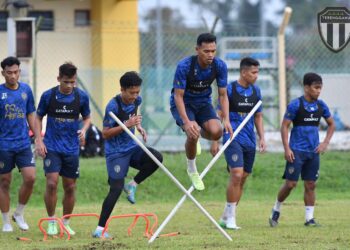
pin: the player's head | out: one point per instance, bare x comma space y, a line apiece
11, 70
206, 38
67, 77
206, 49
312, 78
312, 85
130, 86
249, 69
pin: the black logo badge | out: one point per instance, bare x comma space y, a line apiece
334, 27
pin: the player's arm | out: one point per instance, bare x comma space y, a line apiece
40, 147
86, 125
191, 127
85, 113
110, 132
330, 131
288, 153
142, 131
31, 123
223, 100
259, 125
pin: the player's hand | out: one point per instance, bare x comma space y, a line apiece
142, 132
289, 155
214, 148
262, 145
81, 135
321, 148
192, 129
40, 148
227, 126
133, 121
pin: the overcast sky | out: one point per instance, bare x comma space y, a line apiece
192, 13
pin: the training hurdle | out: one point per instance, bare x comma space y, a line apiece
147, 233
167, 172
205, 171
148, 230
59, 222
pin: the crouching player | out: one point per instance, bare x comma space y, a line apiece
121, 150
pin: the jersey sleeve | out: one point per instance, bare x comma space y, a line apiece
138, 101
292, 110
180, 77
108, 121
44, 103
84, 104
326, 112
221, 77
30, 104
258, 93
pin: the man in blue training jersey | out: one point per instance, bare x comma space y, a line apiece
243, 95
190, 101
17, 111
302, 153
121, 150
60, 148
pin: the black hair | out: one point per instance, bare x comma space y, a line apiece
130, 79
310, 78
206, 38
247, 62
67, 69
9, 61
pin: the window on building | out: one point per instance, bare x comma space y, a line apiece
47, 21
82, 17
3, 20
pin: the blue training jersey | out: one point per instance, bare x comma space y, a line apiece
123, 142
61, 134
180, 80
15, 105
305, 138
246, 137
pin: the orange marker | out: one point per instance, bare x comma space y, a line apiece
23, 239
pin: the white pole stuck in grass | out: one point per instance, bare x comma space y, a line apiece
167, 172
205, 171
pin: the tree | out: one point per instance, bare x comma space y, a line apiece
222, 9
305, 12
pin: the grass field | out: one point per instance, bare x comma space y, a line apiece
158, 195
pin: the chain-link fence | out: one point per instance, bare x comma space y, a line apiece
160, 52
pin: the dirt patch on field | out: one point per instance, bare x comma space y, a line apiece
106, 244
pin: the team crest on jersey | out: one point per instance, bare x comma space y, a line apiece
234, 157
117, 168
47, 162
334, 27
3, 96
2, 164
290, 170
24, 96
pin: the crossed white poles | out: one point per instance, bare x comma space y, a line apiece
178, 184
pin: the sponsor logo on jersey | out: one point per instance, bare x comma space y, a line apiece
64, 110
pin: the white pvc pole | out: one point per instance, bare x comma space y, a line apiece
167, 172
282, 84
205, 171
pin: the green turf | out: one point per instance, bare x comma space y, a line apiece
159, 195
